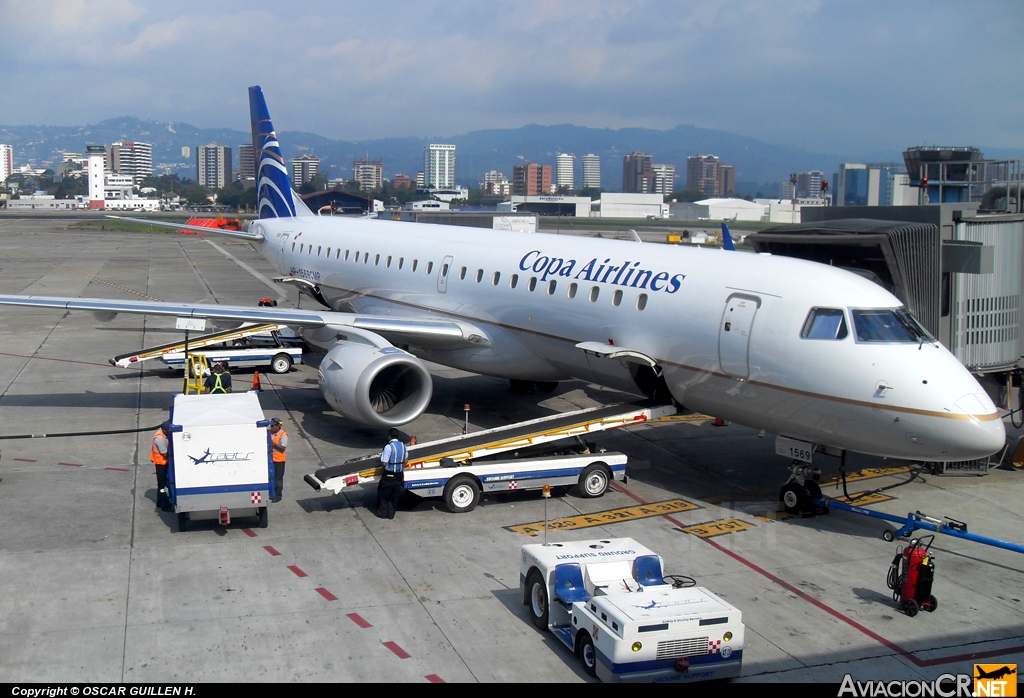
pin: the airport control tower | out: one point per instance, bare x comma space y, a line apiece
95, 155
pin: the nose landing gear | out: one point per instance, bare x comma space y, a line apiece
801, 492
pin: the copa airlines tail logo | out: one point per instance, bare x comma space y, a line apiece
626, 273
208, 457
273, 186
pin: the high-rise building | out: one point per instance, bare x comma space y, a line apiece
664, 179
439, 166
565, 171
702, 174
726, 180
130, 159
246, 163
531, 179
808, 184
6, 161
304, 169
213, 166
859, 184
496, 184
421, 180
591, 172
637, 176
369, 173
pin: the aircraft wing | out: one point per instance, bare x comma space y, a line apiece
194, 228
415, 330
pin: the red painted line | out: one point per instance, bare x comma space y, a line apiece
831, 611
297, 571
27, 460
359, 620
249, 532
120, 470
270, 549
45, 358
73, 465
434, 678
399, 652
326, 594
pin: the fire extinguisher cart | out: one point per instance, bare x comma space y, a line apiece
220, 465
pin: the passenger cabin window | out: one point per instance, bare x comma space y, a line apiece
301, 248
415, 263
641, 301
594, 293
376, 260
572, 290
495, 278
346, 255
888, 325
337, 253
617, 299
479, 275
401, 261
513, 280
444, 270
825, 323
356, 258
387, 262
430, 268
318, 248
462, 274
293, 247
328, 252
533, 282
551, 287
366, 257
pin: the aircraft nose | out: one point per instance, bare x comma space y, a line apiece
982, 432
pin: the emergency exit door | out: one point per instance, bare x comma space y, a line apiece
734, 334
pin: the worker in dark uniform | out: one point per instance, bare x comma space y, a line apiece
159, 454
278, 444
219, 381
393, 458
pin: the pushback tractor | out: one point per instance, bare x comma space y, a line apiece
610, 604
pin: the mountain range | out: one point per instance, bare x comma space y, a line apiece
758, 164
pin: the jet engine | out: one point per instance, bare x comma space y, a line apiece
377, 386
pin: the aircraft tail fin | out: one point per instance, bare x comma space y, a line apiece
274, 193
727, 243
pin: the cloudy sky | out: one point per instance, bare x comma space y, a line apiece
828, 75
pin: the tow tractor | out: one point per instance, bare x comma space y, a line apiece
514, 457
610, 604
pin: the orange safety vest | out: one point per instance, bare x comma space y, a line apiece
278, 456
155, 455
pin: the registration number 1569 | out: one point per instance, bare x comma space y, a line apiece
791, 448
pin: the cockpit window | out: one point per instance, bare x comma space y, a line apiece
825, 323
888, 325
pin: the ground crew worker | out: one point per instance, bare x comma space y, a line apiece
278, 444
159, 453
219, 381
393, 458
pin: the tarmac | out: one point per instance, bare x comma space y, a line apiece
97, 585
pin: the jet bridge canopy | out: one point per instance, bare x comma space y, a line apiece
905, 258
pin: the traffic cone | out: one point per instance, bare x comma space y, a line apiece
256, 382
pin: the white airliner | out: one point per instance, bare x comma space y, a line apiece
799, 349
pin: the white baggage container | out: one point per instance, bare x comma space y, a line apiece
221, 463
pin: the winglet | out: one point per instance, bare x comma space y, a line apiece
727, 243
273, 186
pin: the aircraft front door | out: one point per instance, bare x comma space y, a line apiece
734, 334
442, 274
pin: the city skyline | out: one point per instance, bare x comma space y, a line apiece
779, 73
